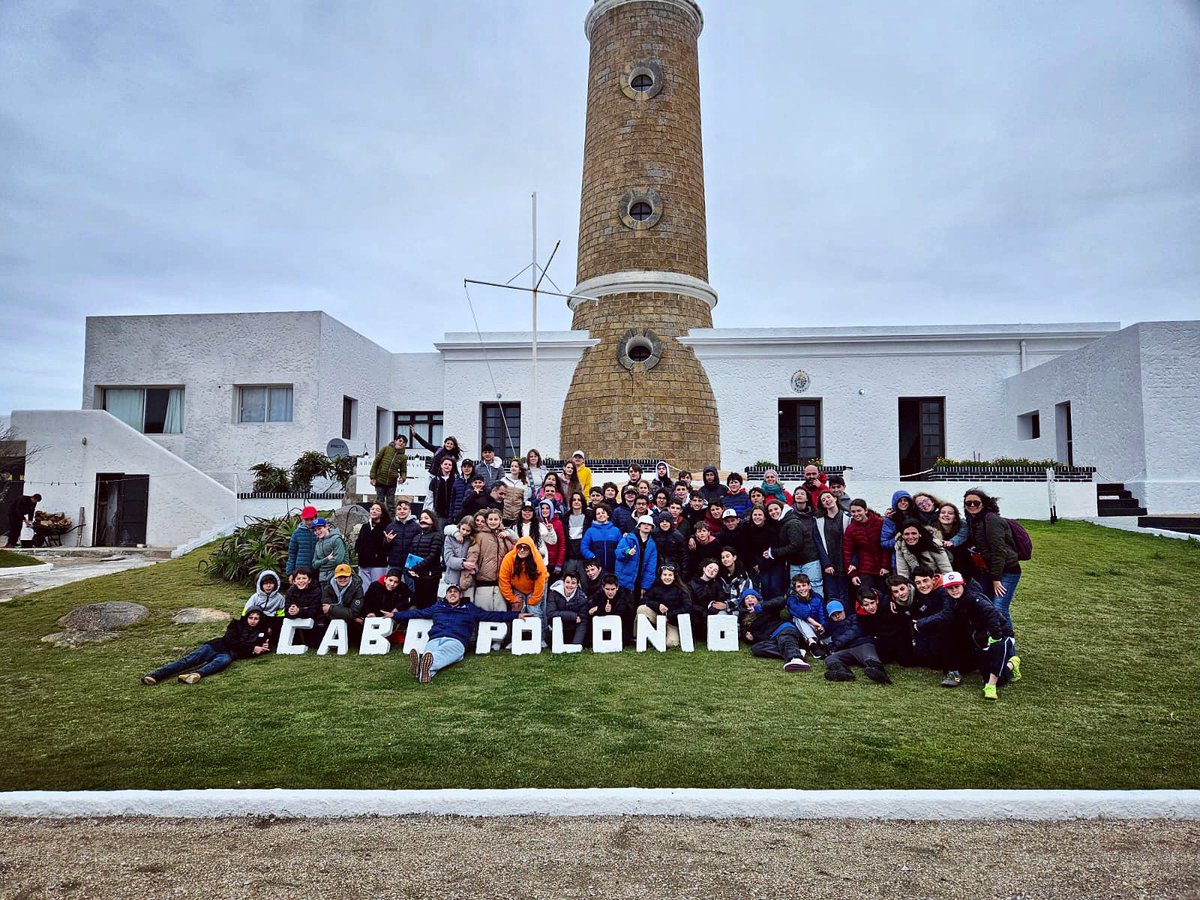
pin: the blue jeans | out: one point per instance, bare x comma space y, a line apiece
814, 573
1004, 603
206, 656
772, 578
446, 652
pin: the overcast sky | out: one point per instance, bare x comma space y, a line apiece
909, 162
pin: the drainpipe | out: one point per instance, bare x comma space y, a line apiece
1024, 358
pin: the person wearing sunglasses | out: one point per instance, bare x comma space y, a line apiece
992, 538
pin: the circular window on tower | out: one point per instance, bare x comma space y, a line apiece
642, 80
641, 210
639, 347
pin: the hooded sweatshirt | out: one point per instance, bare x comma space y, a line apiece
344, 602
270, 604
553, 536
667, 483
240, 639
454, 621
576, 604
600, 543
712, 489
515, 580
893, 523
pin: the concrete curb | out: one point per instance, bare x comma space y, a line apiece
686, 802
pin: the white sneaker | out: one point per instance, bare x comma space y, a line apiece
796, 665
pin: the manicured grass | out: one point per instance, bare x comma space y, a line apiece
10, 560
1106, 623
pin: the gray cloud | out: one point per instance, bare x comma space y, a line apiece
867, 163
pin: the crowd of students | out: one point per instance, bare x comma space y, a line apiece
809, 574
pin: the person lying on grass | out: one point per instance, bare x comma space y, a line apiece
850, 644
769, 636
453, 621
991, 633
244, 638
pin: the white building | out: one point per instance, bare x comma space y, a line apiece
177, 409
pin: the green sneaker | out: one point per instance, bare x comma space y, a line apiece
989, 692
1014, 663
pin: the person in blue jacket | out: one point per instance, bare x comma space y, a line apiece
893, 520
637, 559
453, 622
807, 610
301, 544
850, 644
601, 539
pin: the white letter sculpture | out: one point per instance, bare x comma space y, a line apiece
337, 638
376, 630
654, 633
287, 633
527, 636
686, 642
489, 632
606, 634
417, 635
557, 643
723, 633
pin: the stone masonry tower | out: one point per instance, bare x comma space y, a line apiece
643, 247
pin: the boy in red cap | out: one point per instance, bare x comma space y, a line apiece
300, 547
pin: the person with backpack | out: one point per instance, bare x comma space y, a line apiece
995, 540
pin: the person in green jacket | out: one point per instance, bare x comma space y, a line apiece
390, 468
330, 550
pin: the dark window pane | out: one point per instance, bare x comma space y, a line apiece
156, 410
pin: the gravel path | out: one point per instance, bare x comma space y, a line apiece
595, 858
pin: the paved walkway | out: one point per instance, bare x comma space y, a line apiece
68, 568
590, 858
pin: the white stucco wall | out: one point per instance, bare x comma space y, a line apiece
350, 365
859, 374
1135, 402
73, 445
469, 383
1017, 499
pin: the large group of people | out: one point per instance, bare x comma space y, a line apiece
810, 573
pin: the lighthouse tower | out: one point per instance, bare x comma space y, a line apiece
643, 246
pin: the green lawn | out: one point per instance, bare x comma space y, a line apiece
1107, 630
10, 560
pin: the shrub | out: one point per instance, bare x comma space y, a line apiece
310, 465
270, 479
1002, 461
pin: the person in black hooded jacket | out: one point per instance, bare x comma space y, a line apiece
672, 546
711, 488
387, 595
303, 601
666, 597
244, 638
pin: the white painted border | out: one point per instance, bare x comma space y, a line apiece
687, 802
14, 571
636, 282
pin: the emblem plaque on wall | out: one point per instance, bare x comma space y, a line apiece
800, 381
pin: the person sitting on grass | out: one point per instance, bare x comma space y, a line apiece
850, 644
769, 636
891, 632
267, 598
613, 600
387, 595
303, 601
666, 597
568, 602
453, 622
807, 610
991, 633
244, 638
937, 642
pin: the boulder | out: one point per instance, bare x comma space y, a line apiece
197, 614
347, 517
73, 639
103, 616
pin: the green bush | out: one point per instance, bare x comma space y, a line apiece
310, 465
1002, 461
269, 479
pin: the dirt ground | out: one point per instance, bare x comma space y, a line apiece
594, 858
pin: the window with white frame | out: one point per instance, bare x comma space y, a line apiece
264, 403
151, 410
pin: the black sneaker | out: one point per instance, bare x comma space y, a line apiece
953, 679
877, 674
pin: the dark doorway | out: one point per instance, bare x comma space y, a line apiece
922, 434
1065, 437
122, 508
799, 432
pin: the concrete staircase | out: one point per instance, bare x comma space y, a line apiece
1112, 499
1183, 524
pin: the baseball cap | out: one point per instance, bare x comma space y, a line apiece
952, 578
645, 520
834, 606
341, 570
317, 523
309, 512
730, 513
